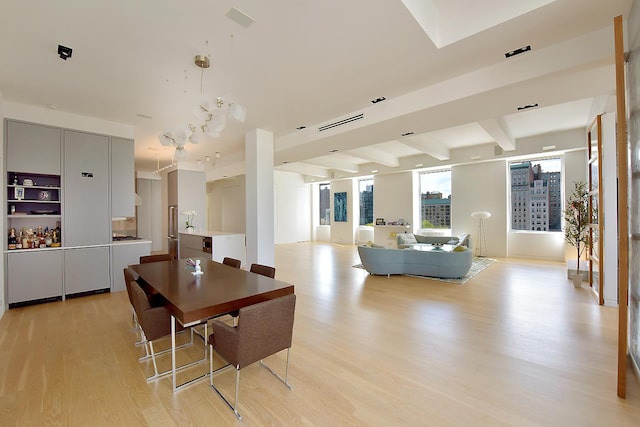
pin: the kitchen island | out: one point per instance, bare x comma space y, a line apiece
214, 245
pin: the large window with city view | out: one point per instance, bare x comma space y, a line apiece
435, 199
536, 194
325, 204
366, 201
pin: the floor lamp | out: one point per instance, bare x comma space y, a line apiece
481, 246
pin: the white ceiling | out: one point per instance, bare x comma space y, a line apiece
309, 63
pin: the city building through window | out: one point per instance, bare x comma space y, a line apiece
536, 195
366, 201
435, 199
325, 204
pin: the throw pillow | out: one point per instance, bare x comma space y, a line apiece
408, 238
460, 248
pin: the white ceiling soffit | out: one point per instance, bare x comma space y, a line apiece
448, 21
305, 169
336, 162
499, 132
428, 145
375, 155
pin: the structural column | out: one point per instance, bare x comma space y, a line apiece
259, 197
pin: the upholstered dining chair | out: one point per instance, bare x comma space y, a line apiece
265, 270
263, 329
232, 262
128, 278
155, 323
156, 258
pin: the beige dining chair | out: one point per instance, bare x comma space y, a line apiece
263, 329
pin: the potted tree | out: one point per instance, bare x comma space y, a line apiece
576, 217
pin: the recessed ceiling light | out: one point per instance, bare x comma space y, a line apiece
475, 157
380, 99
52, 106
419, 165
333, 151
374, 171
407, 133
548, 147
525, 107
518, 51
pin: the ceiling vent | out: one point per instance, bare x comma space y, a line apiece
341, 122
517, 51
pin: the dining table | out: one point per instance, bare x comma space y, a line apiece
193, 297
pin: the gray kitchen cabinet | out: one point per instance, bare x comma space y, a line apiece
33, 148
149, 218
86, 270
122, 178
33, 276
191, 246
124, 254
86, 218
172, 188
192, 196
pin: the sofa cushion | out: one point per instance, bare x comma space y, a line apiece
406, 239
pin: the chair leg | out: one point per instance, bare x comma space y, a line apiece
153, 357
284, 380
233, 407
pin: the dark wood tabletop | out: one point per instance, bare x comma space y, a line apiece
220, 289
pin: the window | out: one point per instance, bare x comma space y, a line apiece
366, 201
325, 204
536, 194
435, 199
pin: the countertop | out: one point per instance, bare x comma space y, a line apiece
208, 233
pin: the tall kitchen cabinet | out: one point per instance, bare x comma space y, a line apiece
86, 218
63, 176
33, 200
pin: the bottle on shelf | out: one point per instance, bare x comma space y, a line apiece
12, 239
15, 178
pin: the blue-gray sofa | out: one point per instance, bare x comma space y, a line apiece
435, 263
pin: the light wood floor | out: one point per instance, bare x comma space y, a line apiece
517, 345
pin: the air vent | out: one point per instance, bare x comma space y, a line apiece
517, 51
341, 122
526, 107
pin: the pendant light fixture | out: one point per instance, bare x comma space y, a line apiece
211, 118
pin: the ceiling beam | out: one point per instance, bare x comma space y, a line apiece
374, 155
499, 132
335, 163
427, 145
304, 169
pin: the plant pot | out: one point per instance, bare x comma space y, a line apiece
577, 280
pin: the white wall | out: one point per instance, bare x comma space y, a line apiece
227, 205
292, 208
481, 187
47, 116
393, 197
292, 216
